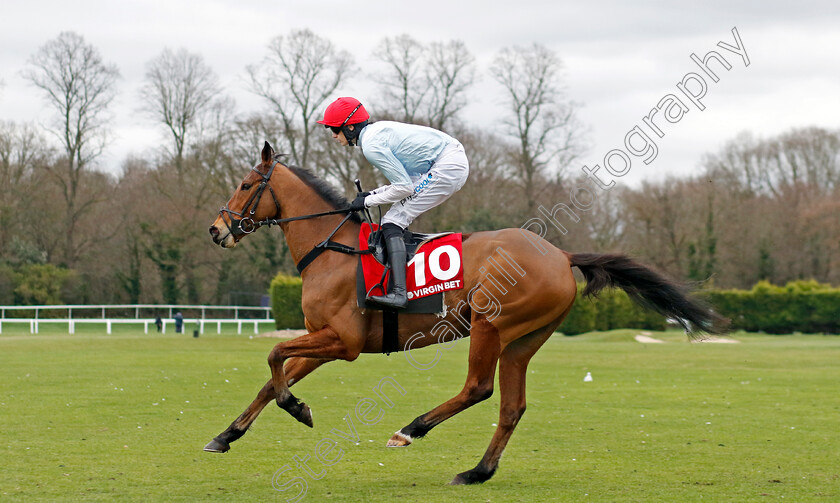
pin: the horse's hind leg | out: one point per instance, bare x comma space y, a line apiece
484, 353
296, 369
513, 365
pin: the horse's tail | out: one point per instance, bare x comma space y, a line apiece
649, 289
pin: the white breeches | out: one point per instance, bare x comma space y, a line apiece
446, 176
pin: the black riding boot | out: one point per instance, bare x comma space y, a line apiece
396, 298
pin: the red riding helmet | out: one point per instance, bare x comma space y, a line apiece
344, 111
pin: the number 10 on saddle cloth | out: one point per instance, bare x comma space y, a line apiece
436, 266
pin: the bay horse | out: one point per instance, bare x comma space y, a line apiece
538, 294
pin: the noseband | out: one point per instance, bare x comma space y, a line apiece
245, 223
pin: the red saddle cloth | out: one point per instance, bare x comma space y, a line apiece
437, 266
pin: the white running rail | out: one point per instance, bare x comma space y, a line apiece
143, 313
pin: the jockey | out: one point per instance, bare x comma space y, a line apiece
425, 167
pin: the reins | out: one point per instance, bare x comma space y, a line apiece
247, 225
276, 221
327, 244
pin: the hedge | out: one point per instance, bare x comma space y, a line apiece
34, 284
285, 292
799, 306
611, 309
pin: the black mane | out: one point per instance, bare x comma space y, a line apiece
328, 193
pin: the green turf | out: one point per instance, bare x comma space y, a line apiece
95, 417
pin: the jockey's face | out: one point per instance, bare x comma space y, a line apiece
340, 136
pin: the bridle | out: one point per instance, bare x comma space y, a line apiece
245, 224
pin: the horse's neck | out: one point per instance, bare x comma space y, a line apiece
298, 199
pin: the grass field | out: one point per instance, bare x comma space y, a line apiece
125, 416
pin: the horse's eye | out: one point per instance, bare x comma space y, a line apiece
246, 186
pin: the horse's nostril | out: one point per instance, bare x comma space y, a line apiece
214, 231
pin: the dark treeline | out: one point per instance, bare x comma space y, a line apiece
759, 209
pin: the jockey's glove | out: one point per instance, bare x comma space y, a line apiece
359, 203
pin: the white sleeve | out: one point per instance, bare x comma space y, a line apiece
388, 194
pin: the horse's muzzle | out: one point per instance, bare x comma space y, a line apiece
222, 237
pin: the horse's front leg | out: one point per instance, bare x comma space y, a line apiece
325, 344
296, 369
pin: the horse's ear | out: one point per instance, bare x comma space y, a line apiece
267, 153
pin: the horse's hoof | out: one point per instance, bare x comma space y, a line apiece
304, 415
217, 446
399, 440
297, 410
458, 481
474, 476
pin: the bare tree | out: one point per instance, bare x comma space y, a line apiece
661, 221
342, 166
299, 73
227, 149
209, 153
21, 149
734, 165
22, 156
790, 179
402, 81
182, 93
450, 71
541, 120
604, 226
422, 83
80, 86
179, 87
805, 161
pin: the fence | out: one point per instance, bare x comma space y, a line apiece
142, 313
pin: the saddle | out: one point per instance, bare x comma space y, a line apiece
426, 285
413, 241
376, 263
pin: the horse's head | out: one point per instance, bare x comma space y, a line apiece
249, 204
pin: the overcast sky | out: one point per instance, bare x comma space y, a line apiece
620, 58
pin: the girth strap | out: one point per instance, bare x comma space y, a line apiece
390, 331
